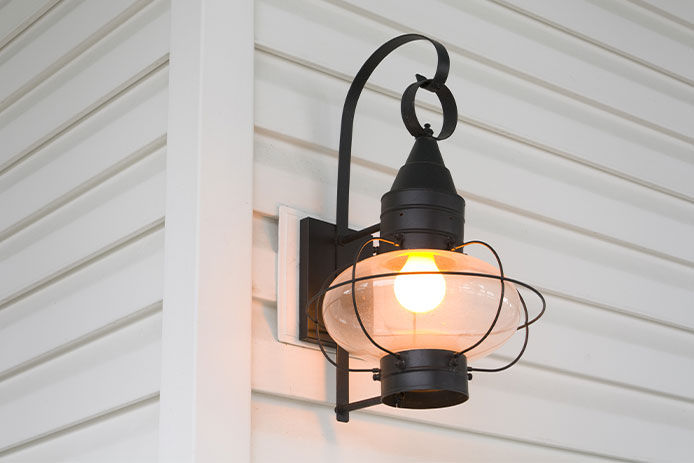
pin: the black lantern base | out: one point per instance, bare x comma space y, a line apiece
424, 378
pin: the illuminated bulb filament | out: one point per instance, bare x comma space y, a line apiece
420, 293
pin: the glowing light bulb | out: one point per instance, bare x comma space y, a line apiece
420, 293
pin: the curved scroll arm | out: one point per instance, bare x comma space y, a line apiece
435, 85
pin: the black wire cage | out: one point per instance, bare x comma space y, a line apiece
421, 211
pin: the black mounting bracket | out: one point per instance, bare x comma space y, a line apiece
321, 259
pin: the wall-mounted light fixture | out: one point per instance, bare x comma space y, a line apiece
409, 300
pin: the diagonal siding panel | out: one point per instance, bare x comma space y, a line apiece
83, 114
95, 370
619, 27
17, 15
129, 435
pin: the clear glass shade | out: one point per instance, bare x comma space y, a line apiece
426, 311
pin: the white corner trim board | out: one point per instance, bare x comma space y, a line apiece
206, 333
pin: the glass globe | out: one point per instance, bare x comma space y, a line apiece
429, 311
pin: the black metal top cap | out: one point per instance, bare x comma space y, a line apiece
424, 168
422, 209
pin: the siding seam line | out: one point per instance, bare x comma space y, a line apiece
537, 366
84, 187
432, 424
82, 263
84, 114
598, 380
83, 340
587, 39
72, 54
522, 75
27, 24
616, 310
554, 293
82, 423
485, 127
663, 14
493, 203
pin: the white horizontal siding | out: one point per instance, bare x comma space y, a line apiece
129, 434
49, 181
85, 227
83, 111
620, 28
93, 299
574, 153
592, 259
677, 11
15, 17
83, 383
527, 404
97, 78
580, 339
472, 149
551, 59
295, 430
491, 98
74, 27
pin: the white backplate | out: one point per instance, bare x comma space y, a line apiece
288, 276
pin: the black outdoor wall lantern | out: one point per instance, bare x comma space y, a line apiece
409, 300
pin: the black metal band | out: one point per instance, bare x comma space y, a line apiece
424, 378
436, 85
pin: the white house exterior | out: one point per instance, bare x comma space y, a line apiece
147, 146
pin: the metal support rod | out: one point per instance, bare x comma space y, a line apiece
350, 407
342, 385
350, 237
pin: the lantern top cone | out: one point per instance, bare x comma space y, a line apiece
423, 209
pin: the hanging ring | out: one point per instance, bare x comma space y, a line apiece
448, 105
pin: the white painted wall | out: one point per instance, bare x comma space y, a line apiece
574, 151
